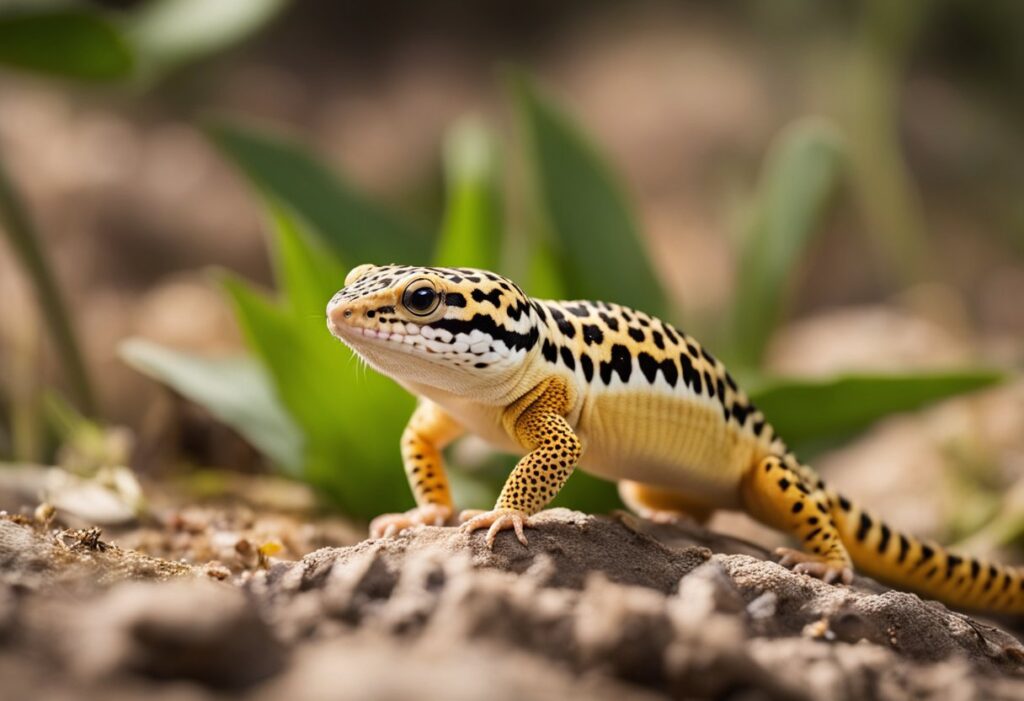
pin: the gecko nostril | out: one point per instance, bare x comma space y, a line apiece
339, 312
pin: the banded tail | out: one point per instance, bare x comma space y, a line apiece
925, 567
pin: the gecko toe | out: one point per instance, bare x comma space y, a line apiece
390, 525
498, 520
816, 566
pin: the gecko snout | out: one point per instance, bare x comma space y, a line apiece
338, 313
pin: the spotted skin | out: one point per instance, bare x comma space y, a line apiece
429, 430
776, 494
624, 396
538, 422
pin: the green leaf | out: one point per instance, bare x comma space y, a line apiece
68, 42
600, 252
171, 32
355, 228
235, 390
799, 178
307, 275
352, 418
543, 278
471, 234
809, 412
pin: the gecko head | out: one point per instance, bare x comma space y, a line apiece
457, 329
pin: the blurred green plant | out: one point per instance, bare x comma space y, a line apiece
598, 251
236, 390
26, 244
82, 42
344, 221
801, 174
350, 420
167, 34
471, 231
71, 41
85, 44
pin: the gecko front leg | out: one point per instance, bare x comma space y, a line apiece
538, 423
429, 430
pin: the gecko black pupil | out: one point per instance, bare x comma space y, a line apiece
421, 300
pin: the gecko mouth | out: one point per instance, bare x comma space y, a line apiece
415, 339
439, 346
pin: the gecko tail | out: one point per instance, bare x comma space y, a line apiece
925, 567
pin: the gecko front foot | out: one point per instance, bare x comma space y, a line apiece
498, 520
815, 566
389, 525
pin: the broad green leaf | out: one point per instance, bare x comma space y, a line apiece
471, 233
544, 279
600, 253
352, 418
798, 181
307, 275
809, 412
68, 42
235, 390
170, 32
355, 228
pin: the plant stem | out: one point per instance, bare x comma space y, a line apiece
25, 241
890, 199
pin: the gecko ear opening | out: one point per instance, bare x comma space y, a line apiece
357, 272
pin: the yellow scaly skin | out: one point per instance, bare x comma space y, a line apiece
627, 397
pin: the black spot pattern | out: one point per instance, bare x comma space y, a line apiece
549, 351
567, 358
592, 334
648, 366
611, 322
621, 362
486, 323
588, 367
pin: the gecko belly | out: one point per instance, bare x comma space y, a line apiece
674, 442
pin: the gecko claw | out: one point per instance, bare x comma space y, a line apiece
814, 566
498, 520
468, 514
390, 525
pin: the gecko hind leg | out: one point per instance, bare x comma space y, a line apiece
780, 497
662, 505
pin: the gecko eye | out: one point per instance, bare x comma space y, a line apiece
421, 298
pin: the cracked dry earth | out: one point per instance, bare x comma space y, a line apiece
595, 608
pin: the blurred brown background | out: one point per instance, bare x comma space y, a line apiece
683, 97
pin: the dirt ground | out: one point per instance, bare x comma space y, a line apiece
262, 600
594, 607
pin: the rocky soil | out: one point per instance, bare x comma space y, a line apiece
595, 607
